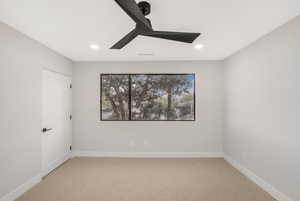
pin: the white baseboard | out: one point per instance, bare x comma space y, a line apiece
56, 164
22, 189
148, 154
259, 181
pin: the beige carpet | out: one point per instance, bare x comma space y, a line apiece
105, 179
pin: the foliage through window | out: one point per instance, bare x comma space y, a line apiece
147, 97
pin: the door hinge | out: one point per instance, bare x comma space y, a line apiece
71, 86
71, 117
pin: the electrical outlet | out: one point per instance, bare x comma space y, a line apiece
132, 143
244, 156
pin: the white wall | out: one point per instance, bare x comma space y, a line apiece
204, 135
21, 63
263, 108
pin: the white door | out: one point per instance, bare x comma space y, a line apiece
56, 120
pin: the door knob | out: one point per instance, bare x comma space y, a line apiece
46, 129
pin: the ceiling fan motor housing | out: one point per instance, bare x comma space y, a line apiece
145, 7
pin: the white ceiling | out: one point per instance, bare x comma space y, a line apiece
70, 26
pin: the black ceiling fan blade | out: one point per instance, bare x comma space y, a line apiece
126, 39
132, 9
176, 36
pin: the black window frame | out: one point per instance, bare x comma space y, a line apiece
129, 95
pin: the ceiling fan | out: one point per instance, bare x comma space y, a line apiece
137, 12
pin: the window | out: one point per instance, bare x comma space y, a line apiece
147, 97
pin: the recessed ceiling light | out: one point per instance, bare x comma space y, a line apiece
199, 46
95, 47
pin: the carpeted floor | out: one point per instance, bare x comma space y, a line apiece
114, 179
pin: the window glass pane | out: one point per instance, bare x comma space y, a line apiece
162, 97
115, 97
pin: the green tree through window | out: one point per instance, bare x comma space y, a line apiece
148, 97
